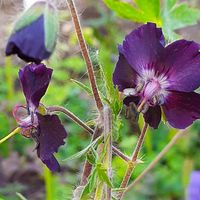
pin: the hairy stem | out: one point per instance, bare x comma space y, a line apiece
87, 166
70, 115
14, 132
75, 119
85, 54
108, 142
133, 162
176, 137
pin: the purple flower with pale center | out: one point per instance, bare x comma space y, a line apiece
159, 76
193, 189
44, 128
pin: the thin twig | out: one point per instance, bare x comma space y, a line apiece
78, 121
133, 162
85, 54
176, 137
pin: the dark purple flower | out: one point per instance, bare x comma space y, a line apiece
160, 76
44, 128
34, 36
193, 189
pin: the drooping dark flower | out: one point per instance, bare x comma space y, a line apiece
193, 189
35, 33
44, 128
160, 77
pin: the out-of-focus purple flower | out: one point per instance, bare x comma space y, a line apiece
35, 33
160, 76
44, 128
193, 189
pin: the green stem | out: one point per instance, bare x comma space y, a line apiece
108, 157
48, 183
133, 162
15, 131
99, 191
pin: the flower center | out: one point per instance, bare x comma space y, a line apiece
152, 88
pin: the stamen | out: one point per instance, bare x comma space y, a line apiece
129, 92
140, 107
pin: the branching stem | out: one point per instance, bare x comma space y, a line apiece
78, 121
133, 162
176, 137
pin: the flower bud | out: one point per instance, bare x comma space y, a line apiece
35, 33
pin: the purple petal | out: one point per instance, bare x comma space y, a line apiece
142, 47
193, 190
181, 109
153, 116
182, 58
34, 81
51, 135
29, 42
124, 75
51, 163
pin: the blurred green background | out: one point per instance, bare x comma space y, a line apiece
20, 169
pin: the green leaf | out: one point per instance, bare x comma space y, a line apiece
92, 156
84, 87
93, 180
103, 176
150, 8
177, 15
50, 26
85, 193
143, 11
29, 16
84, 151
90, 186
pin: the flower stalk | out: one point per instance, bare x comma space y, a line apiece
133, 162
85, 54
14, 132
173, 141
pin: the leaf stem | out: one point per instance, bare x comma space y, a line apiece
133, 162
176, 137
78, 121
72, 116
15, 131
85, 54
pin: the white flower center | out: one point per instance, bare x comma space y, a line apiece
151, 87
